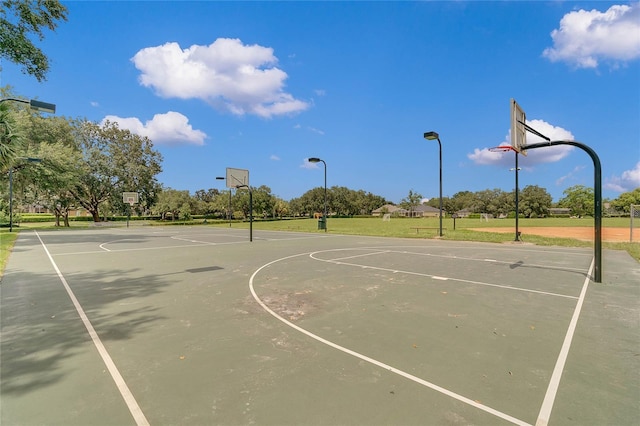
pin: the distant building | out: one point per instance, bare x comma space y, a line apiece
559, 211
389, 208
421, 210
463, 213
424, 210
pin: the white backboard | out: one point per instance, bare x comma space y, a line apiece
518, 130
237, 177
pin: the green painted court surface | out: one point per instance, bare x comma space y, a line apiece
199, 326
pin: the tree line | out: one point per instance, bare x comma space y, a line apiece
533, 202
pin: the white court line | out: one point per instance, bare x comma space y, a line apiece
554, 383
195, 244
128, 397
146, 248
360, 255
443, 256
420, 274
376, 362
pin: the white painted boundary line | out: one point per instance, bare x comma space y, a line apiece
373, 361
475, 259
554, 383
128, 397
420, 274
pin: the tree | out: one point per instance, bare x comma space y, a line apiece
624, 201
263, 201
534, 201
341, 201
220, 204
411, 202
490, 201
241, 202
365, 203
579, 199
11, 140
114, 161
173, 201
280, 207
51, 140
19, 21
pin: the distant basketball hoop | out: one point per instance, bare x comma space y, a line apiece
130, 198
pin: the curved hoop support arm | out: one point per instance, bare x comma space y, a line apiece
597, 195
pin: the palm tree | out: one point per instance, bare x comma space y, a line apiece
10, 138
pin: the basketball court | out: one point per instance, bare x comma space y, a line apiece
200, 326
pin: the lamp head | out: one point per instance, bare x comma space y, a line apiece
431, 135
314, 160
42, 106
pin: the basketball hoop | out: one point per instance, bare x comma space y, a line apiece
130, 198
502, 148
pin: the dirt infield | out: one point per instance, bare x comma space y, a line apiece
579, 233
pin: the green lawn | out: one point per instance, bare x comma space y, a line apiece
7, 240
402, 227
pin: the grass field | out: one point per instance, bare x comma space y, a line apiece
396, 227
403, 228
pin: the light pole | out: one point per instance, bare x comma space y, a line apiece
324, 215
28, 160
504, 148
250, 209
228, 211
431, 136
517, 169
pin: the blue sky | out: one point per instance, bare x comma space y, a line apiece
263, 86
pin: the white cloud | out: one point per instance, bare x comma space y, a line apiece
311, 129
274, 157
171, 128
569, 175
227, 74
629, 180
537, 156
587, 37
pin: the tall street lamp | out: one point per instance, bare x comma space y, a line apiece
324, 215
28, 160
229, 211
434, 136
250, 209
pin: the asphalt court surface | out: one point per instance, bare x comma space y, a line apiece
197, 325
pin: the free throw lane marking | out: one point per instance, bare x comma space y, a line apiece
371, 360
128, 397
